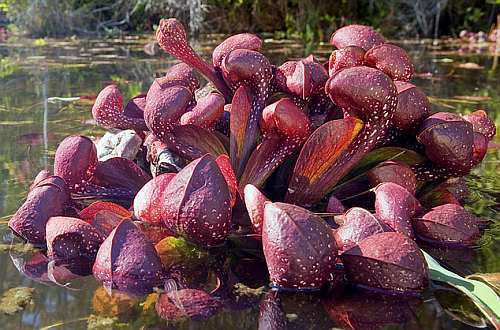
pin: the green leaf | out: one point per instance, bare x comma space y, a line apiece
481, 294
491, 279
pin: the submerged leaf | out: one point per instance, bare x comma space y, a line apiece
271, 314
16, 299
361, 310
96, 322
187, 303
115, 305
460, 307
480, 293
31, 265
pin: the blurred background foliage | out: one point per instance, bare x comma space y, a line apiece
310, 20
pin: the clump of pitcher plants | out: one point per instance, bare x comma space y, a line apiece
265, 160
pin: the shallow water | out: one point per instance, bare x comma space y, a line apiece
32, 124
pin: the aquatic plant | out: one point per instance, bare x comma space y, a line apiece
250, 167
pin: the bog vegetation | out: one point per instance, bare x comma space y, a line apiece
309, 20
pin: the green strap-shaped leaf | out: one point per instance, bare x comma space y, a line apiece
481, 294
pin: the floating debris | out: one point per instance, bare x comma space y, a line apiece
16, 299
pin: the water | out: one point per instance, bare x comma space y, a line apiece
31, 126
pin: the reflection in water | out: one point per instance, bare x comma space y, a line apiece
82, 68
271, 314
361, 310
